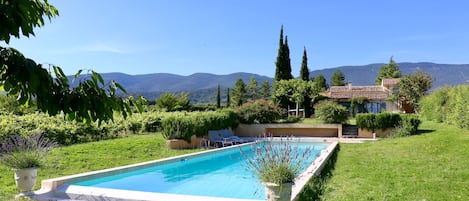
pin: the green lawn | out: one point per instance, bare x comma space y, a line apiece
94, 156
430, 166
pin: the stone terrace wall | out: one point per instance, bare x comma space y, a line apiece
298, 130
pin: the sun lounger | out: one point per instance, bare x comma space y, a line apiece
216, 139
228, 134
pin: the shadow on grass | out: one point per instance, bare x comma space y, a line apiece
314, 189
421, 132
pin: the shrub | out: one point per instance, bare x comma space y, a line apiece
276, 161
331, 112
260, 111
449, 105
366, 121
25, 151
182, 125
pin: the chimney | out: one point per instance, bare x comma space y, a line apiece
350, 86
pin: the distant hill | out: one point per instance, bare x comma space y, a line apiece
202, 86
443, 74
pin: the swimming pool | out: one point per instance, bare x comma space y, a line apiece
220, 173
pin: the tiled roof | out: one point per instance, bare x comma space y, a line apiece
347, 92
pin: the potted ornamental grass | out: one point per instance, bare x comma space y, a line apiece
277, 163
25, 154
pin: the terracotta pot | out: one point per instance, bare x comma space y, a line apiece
278, 192
25, 180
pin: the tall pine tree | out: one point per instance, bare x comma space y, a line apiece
304, 71
304, 75
283, 67
218, 97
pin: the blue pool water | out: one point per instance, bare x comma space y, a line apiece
221, 174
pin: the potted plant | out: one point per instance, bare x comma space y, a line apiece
25, 155
276, 164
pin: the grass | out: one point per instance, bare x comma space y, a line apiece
430, 166
94, 156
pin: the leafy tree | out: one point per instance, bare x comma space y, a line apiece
304, 71
296, 90
338, 78
91, 100
239, 92
172, 102
390, 70
265, 89
252, 90
412, 87
218, 97
321, 82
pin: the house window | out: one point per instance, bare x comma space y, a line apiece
375, 107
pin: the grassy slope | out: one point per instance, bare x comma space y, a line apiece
431, 166
94, 156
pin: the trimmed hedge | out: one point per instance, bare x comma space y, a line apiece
182, 125
370, 121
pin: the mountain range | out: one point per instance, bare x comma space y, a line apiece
202, 86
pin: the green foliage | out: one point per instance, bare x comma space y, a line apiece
434, 106
239, 92
182, 125
23, 16
357, 104
218, 97
412, 87
282, 64
171, 102
9, 104
260, 111
321, 83
449, 105
265, 90
252, 90
331, 112
406, 124
304, 70
390, 70
338, 78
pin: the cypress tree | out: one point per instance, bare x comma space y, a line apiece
304, 75
287, 69
283, 67
304, 71
218, 97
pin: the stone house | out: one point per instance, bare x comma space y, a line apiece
378, 97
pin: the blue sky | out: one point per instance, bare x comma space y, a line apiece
226, 36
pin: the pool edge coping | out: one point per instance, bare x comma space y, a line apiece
50, 186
